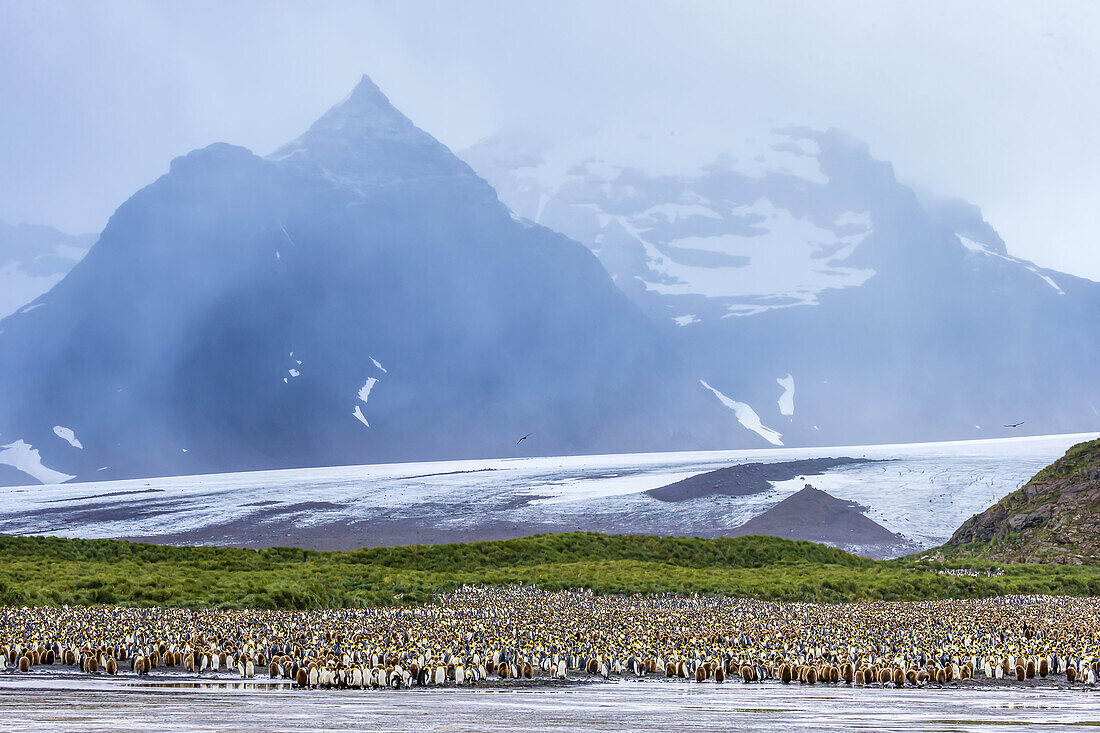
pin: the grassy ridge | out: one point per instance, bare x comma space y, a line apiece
53, 571
1053, 518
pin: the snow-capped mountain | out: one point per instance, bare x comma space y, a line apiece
34, 258
816, 295
360, 295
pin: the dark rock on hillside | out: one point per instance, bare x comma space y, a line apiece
813, 515
745, 479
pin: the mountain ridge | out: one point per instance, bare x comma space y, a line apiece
891, 314
244, 313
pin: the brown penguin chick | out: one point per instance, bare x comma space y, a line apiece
1029, 669
899, 677
785, 673
701, 673
111, 667
1021, 673
859, 677
24, 663
884, 676
1044, 667
301, 680
941, 676
847, 673
811, 676
746, 673
720, 673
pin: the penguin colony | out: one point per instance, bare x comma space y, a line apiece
478, 633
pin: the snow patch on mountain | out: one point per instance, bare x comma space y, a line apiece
358, 413
979, 248
364, 391
783, 257
786, 400
25, 457
67, 435
725, 229
747, 417
364, 395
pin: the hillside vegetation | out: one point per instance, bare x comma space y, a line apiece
53, 571
1054, 518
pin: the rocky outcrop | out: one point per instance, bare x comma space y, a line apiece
1055, 517
745, 479
815, 516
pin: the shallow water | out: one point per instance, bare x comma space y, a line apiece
72, 701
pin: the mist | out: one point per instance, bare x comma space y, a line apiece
988, 101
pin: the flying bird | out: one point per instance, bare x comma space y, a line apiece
1014, 425
525, 437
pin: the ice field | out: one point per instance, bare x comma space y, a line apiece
923, 491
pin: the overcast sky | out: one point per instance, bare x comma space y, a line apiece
993, 101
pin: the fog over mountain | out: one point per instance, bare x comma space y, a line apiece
34, 258
361, 295
827, 301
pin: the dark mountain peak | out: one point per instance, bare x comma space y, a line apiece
814, 515
364, 143
367, 97
236, 313
366, 111
215, 154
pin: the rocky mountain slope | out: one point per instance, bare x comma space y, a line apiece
1055, 517
813, 515
825, 300
359, 296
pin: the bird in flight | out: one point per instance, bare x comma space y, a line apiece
525, 437
1014, 425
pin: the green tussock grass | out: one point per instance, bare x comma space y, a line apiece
53, 571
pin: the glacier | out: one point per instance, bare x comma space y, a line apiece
922, 491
